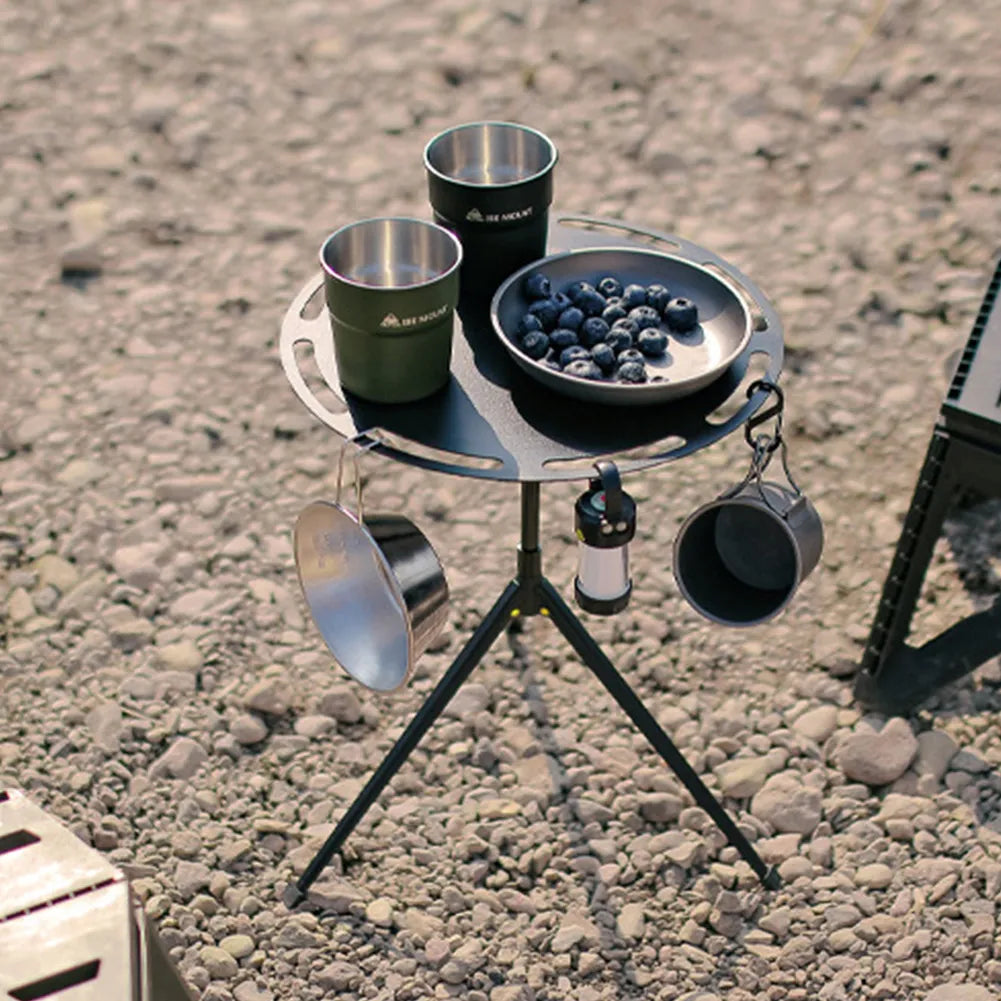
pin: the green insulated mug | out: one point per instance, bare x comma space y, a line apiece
391, 286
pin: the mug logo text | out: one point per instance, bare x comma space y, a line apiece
392, 322
475, 215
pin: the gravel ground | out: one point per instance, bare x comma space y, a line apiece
163, 691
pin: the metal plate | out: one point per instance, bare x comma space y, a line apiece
693, 360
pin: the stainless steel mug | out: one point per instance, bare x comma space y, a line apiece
491, 183
739, 559
392, 285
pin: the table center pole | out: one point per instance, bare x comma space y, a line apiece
529, 575
530, 503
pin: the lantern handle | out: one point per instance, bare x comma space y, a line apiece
611, 482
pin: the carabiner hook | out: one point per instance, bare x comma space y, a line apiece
756, 420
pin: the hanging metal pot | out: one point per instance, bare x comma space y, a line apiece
740, 559
374, 586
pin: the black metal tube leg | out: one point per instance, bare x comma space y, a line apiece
471, 654
593, 656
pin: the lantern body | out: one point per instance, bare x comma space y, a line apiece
604, 522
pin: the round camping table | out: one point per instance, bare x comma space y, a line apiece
492, 421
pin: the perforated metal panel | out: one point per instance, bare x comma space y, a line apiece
41, 861
68, 925
81, 949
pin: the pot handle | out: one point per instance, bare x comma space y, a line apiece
763, 312
359, 443
297, 328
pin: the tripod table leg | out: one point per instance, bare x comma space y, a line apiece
593, 656
471, 654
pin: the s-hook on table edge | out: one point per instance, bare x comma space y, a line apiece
493, 422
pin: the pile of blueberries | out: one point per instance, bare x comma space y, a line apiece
603, 331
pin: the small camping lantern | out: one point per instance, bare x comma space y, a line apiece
604, 522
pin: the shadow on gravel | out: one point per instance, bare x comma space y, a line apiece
972, 535
79, 280
612, 946
951, 656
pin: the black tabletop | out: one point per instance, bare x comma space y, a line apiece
492, 421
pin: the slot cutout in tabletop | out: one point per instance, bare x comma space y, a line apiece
306, 363
314, 305
654, 451
623, 231
437, 455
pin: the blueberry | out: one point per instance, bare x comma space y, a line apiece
572, 291
619, 340
591, 302
571, 318
645, 316
563, 337
603, 356
632, 371
553, 364
546, 312
592, 331
537, 286
614, 311
658, 297
630, 355
652, 343
610, 286
562, 300
633, 296
535, 344
681, 315
574, 353
583, 368
630, 326
528, 323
